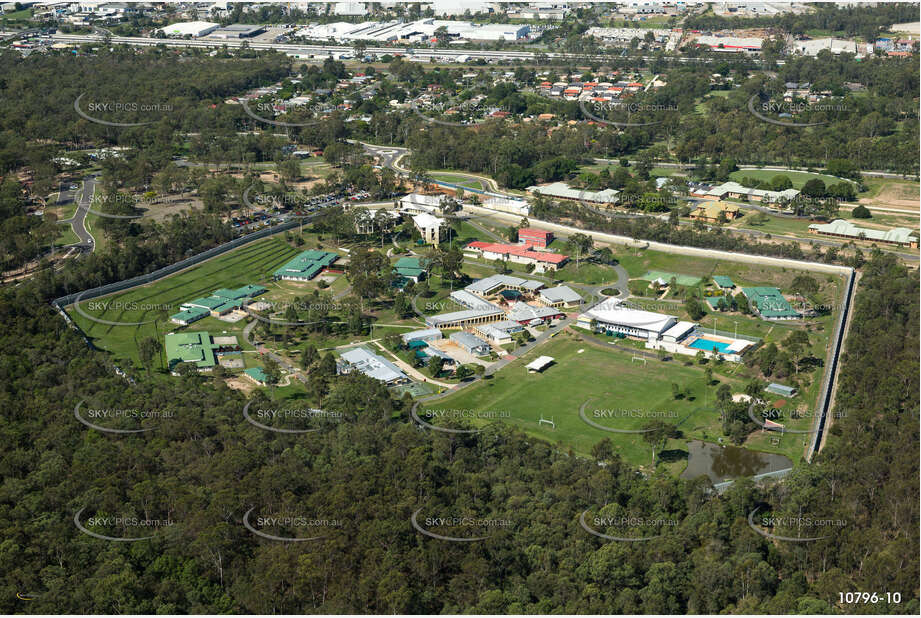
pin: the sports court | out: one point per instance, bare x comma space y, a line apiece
652, 275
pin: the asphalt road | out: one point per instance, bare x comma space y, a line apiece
78, 221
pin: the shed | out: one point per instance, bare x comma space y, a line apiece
780, 389
539, 364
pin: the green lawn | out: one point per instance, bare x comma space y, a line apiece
17, 15
658, 172
775, 225
63, 211
797, 178
252, 263
66, 236
459, 179
612, 382
92, 225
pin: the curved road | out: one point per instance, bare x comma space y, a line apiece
78, 220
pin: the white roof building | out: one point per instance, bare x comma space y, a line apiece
414, 31
679, 331
560, 295
372, 365
429, 226
730, 43
562, 190
764, 195
611, 314
846, 229
426, 334
471, 301
459, 7
417, 203
492, 283
190, 28
525, 313
505, 204
814, 46
539, 364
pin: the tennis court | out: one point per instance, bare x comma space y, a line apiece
415, 389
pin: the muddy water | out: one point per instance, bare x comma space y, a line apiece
723, 463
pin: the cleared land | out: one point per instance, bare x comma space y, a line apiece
892, 193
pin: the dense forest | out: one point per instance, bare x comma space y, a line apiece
203, 467
175, 96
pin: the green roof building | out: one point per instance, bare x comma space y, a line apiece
227, 307
410, 268
250, 291
257, 375
247, 291
209, 303
306, 265
770, 303
186, 317
228, 294
192, 347
723, 282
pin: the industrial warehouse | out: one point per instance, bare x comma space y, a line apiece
419, 31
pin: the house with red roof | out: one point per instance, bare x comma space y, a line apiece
520, 254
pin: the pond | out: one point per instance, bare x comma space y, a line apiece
723, 463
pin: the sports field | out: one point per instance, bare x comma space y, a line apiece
621, 393
797, 178
459, 179
253, 263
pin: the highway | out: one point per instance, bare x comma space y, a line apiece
293, 49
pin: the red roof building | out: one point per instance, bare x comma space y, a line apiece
535, 237
517, 253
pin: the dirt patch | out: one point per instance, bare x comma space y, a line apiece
173, 205
897, 195
239, 384
306, 186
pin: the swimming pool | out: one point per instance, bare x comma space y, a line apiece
708, 344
